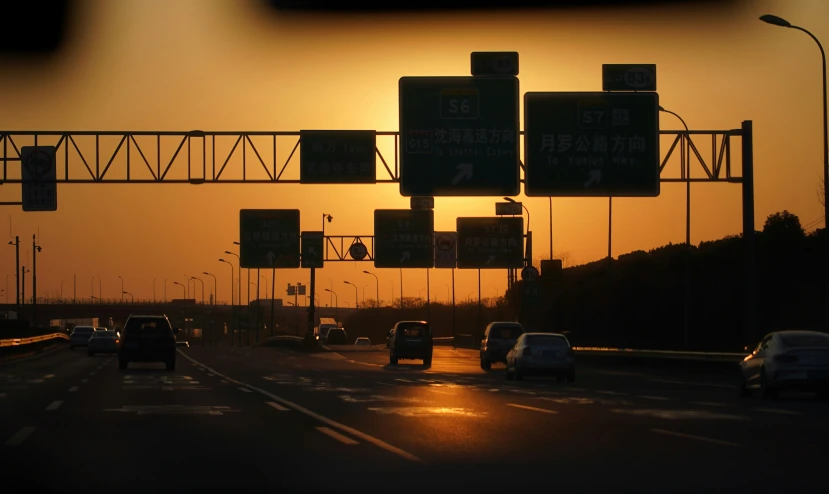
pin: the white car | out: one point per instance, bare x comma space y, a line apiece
787, 360
541, 354
362, 341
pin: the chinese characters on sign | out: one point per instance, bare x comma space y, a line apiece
592, 144
404, 238
490, 242
459, 136
269, 238
337, 156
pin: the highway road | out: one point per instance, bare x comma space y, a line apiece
249, 419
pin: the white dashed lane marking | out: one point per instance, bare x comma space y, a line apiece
277, 406
20, 436
534, 409
72, 389
54, 405
246, 390
697, 438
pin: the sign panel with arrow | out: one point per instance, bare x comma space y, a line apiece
592, 144
459, 136
312, 250
269, 238
38, 172
490, 243
403, 238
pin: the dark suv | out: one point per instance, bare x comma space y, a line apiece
411, 340
499, 338
147, 339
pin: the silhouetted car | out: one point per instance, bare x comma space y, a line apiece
103, 341
787, 360
80, 336
541, 354
499, 338
336, 336
147, 339
411, 340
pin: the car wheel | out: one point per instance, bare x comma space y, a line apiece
393, 360
485, 364
508, 374
90, 353
571, 376
122, 364
171, 365
517, 374
427, 362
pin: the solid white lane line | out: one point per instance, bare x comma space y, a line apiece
686, 383
54, 405
778, 411
350, 430
20, 436
698, 438
336, 435
73, 389
246, 390
658, 398
525, 407
48, 376
278, 406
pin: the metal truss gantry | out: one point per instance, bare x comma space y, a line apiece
199, 157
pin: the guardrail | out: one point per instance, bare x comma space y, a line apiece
14, 342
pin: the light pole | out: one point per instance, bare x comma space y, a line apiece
122, 288
391, 302
377, 286
356, 295
202, 287
330, 289
239, 281
183, 288
529, 249
231, 280
336, 302
215, 294
240, 273
687, 173
777, 21
16, 243
551, 228
265, 284
128, 293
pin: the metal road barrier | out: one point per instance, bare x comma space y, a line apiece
15, 342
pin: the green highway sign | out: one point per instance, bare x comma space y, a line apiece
269, 238
459, 136
404, 238
312, 250
337, 156
591, 144
490, 243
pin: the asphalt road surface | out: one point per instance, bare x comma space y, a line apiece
256, 419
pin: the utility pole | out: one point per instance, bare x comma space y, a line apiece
35, 250
16, 244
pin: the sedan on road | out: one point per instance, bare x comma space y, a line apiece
103, 341
80, 336
362, 341
541, 354
797, 360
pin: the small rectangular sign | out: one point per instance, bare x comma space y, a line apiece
507, 208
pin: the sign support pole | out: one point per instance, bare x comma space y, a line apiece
454, 332
428, 296
309, 335
273, 288
479, 310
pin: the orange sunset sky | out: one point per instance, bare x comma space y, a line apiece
221, 65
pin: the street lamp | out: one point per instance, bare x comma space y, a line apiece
240, 274
183, 288
356, 295
231, 279
330, 297
215, 294
376, 284
122, 288
528, 249
127, 293
777, 21
336, 300
202, 287
239, 281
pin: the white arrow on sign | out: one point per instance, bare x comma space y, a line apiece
464, 172
595, 177
490, 260
312, 251
270, 257
406, 256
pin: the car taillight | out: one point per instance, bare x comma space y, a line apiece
785, 359
527, 352
117, 341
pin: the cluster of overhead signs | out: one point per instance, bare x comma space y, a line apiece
460, 136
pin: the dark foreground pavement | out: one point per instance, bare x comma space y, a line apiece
261, 419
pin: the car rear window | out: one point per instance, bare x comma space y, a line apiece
806, 340
506, 332
83, 330
103, 334
413, 331
147, 327
547, 340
